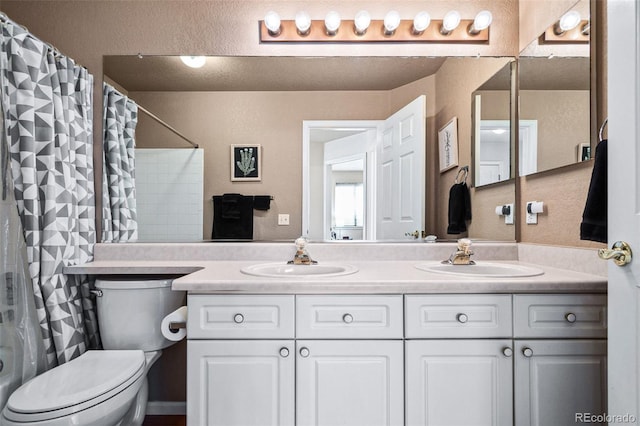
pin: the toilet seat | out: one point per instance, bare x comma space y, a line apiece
82, 383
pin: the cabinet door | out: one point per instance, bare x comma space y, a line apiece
558, 381
459, 382
354, 383
233, 383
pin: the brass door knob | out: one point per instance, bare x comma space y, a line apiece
620, 252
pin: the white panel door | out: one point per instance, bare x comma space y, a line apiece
623, 29
349, 383
401, 177
240, 383
459, 382
560, 382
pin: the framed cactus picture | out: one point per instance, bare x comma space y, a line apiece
246, 163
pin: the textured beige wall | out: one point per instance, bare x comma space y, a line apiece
486, 224
564, 192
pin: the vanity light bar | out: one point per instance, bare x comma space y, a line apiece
577, 35
375, 32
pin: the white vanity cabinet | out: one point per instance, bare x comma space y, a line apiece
344, 361
240, 360
560, 358
344, 382
349, 365
459, 367
395, 360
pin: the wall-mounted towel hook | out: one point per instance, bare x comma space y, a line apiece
465, 172
601, 132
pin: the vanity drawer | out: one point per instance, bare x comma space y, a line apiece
561, 315
240, 317
349, 317
458, 316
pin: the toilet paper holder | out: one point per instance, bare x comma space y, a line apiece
174, 326
533, 209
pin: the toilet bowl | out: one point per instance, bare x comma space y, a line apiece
103, 387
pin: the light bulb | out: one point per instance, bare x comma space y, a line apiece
450, 22
391, 22
481, 22
362, 22
272, 22
332, 22
193, 61
421, 22
567, 22
303, 22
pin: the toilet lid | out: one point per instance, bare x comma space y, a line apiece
94, 374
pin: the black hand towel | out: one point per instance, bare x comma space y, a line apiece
459, 208
232, 217
231, 206
262, 202
594, 217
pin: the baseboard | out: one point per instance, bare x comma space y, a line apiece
166, 408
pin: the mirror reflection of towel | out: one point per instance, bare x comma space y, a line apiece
459, 208
262, 202
594, 217
232, 217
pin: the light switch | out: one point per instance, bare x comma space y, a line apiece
283, 219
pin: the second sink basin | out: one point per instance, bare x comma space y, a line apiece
482, 269
283, 269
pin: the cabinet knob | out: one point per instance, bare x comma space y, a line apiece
284, 352
507, 352
570, 317
347, 318
238, 318
462, 318
528, 352
304, 352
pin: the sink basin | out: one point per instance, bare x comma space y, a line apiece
482, 269
282, 269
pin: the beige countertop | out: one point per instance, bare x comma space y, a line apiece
372, 277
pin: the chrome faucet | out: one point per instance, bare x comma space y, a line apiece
301, 257
462, 255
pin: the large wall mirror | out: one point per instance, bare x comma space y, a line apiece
555, 101
266, 101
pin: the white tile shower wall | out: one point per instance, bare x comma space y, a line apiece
169, 194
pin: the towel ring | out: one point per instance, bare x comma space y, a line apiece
600, 133
464, 170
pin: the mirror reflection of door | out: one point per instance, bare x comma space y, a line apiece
494, 151
332, 151
346, 199
391, 154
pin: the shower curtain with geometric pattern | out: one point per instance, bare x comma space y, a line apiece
119, 216
48, 113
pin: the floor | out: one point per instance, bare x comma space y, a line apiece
165, 421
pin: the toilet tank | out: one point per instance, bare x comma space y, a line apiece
130, 312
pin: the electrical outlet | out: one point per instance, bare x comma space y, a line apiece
508, 218
532, 218
283, 219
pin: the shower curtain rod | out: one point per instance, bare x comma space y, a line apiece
56, 52
159, 120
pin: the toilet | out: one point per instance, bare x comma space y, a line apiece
103, 387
